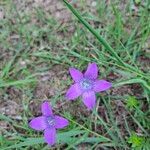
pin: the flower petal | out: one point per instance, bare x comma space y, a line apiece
38, 123
101, 85
73, 92
75, 74
46, 109
60, 122
89, 99
92, 71
50, 136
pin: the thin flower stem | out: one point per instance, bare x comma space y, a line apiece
83, 127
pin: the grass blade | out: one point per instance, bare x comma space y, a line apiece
18, 82
95, 33
131, 81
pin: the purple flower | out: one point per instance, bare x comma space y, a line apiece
86, 85
49, 123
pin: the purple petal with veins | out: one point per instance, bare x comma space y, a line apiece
61, 122
46, 109
50, 136
74, 91
38, 123
75, 74
49, 123
89, 99
101, 85
92, 71
87, 85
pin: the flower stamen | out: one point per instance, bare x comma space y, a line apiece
51, 121
86, 84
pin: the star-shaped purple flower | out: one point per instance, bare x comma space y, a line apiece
49, 123
86, 85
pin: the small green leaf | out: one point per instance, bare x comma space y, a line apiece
132, 102
135, 140
137, 1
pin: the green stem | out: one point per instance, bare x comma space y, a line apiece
95, 33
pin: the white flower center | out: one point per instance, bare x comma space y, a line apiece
86, 84
51, 121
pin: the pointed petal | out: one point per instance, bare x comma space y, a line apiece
46, 109
75, 74
60, 122
92, 71
73, 92
38, 123
50, 136
101, 85
89, 99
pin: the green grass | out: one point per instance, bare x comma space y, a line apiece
116, 40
